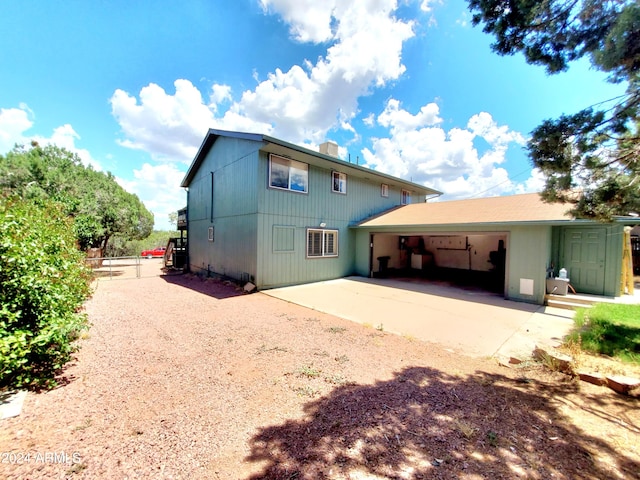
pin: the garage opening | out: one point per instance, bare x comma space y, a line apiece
473, 259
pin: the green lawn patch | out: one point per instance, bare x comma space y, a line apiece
609, 329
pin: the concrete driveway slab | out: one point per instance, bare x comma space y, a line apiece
468, 321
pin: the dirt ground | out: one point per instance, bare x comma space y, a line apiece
184, 378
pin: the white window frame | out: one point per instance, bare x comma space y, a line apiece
210, 234
406, 197
384, 190
294, 168
341, 179
323, 242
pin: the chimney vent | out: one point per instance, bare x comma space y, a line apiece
329, 148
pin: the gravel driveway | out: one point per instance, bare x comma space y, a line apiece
185, 378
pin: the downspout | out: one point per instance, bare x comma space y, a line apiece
187, 256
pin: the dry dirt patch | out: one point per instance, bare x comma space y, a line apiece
186, 378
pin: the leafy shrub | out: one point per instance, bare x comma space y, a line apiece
44, 284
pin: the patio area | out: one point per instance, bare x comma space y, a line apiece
465, 320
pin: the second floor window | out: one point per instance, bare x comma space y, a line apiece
288, 174
339, 182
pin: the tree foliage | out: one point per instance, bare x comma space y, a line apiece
590, 158
44, 284
100, 207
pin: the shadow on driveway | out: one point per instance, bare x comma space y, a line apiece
425, 423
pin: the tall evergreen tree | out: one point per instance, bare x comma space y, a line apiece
100, 207
591, 158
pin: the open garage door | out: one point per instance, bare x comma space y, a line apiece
465, 259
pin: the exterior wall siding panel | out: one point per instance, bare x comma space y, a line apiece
293, 267
529, 259
309, 210
234, 217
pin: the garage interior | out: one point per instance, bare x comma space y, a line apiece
470, 260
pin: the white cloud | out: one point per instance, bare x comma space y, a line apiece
463, 20
399, 120
157, 187
535, 182
65, 136
425, 5
219, 94
420, 150
366, 48
369, 120
309, 20
301, 104
169, 127
483, 125
15, 122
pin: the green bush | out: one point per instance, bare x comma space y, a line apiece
44, 283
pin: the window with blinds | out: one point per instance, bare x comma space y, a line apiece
322, 243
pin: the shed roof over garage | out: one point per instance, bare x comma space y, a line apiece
519, 209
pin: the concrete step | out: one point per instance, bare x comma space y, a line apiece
567, 303
581, 299
572, 301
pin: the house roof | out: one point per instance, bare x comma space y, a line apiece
516, 209
209, 139
312, 157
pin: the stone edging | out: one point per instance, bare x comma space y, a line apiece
564, 363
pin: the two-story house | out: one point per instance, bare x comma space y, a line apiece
273, 213
266, 211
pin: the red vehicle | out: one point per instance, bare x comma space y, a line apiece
157, 252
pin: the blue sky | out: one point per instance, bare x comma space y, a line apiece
409, 88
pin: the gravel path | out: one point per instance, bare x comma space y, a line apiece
185, 378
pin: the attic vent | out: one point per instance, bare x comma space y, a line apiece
329, 148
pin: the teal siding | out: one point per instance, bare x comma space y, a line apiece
301, 211
234, 217
527, 259
278, 268
612, 259
245, 210
361, 201
232, 253
362, 253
